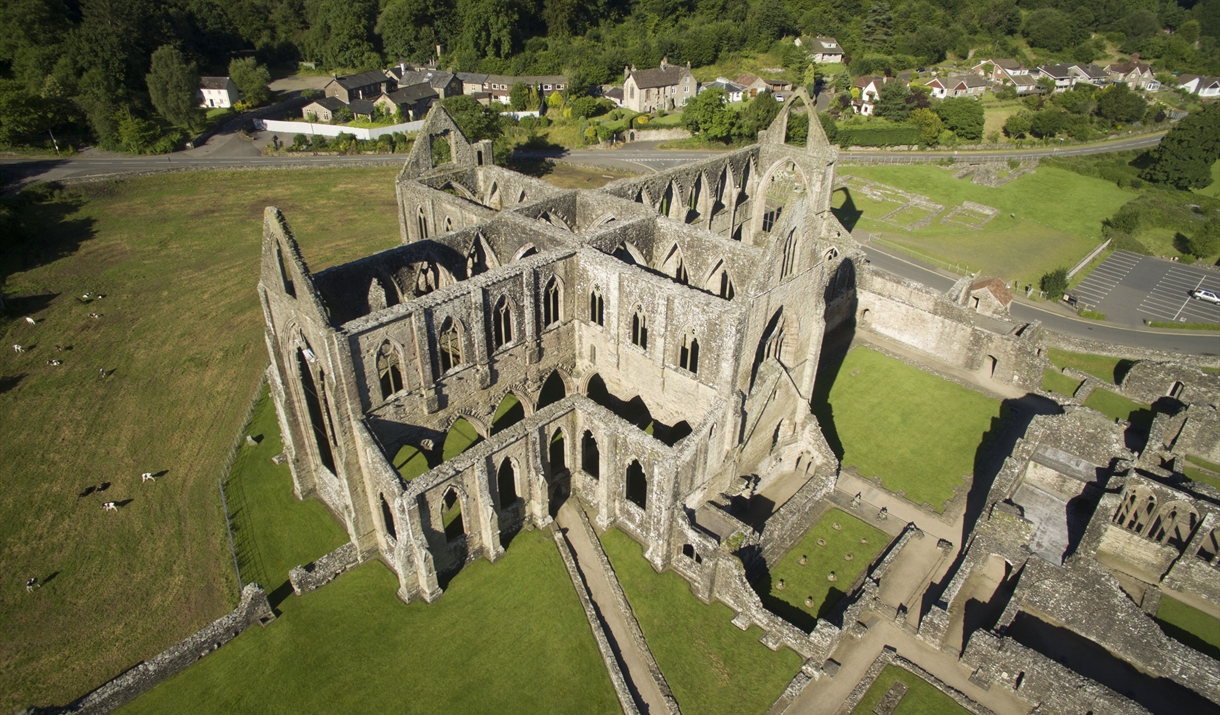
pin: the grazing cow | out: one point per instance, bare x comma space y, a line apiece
18, 349
30, 320
147, 477
32, 584
101, 372
59, 348
110, 506
95, 316
55, 362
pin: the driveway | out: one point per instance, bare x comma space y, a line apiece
1130, 289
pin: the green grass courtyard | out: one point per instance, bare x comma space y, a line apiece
713, 667
506, 638
1190, 626
915, 431
1047, 219
921, 697
825, 550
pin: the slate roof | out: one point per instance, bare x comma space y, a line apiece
1093, 71
361, 106
1128, 67
826, 45
438, 79
213, 82
330, 103
667, 76
1056, 71
997, 288
364, 79
613, 93
412, 93
724, 84
472, 77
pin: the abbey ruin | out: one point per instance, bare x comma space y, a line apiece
662, 337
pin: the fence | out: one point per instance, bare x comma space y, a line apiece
1085, 261
332, 130
224, 477
959, 268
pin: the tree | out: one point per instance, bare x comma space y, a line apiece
1076, 101
930, 126
1189, 32
1119, 104
708, 114
476, 121
21, 112
1047, 123
879, 27
1001, 18
1054, 283
407, 29
1186, 154
518, 96
340, 31
1052, 30
757, 116
892, 101
252, 79
1016, 126
963, 116
1206, 240
173, 86
137, 135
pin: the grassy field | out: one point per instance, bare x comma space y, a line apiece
181, 338
1102, 367
915, 431
1190, 626
1117, 407
1212, 190
855, 538
273, 530
1204, 471
920, 699
1047, 219
1055, 381
713, 667
506, 638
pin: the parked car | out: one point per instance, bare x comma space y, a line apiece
1205, 295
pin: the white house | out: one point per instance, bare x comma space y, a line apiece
822, 49
218, 92
1090, 74
733, 90
1209, 87
1061, 74
970, 85
870, 89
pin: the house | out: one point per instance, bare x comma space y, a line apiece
999, 71
1137, 74
218, 92
362, 108
1061, 74
499, 86
414, 100
1024, 83
1189, 82
822, 49
614, 94
870, 89
732, 90
752, 84
665, 87
472, 82
322, 110
968, 85
446, 84
1090, 74
1208, 87
366, 85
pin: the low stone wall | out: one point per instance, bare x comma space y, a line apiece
595, 624
889, 656
317, 574
657, 135
253, 608
786, 526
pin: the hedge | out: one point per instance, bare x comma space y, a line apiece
882, 135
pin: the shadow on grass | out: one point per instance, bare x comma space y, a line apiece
1121, 368
42, 230
800, 617
847, 214
8, 382
279, 595
834, 351
1187, 638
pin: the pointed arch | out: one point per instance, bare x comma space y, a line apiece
450, 342
389, 371
787, 264
692, 201
688, 355
525, 251
553, 390
639, 328
314, 401
636, 488
557, 454
674, 265
502, 323
458, 190
461, 436
448, 224
387, 518
494, 200
667, 199
604, 220
509, 412
451, 515
422, 222
590, 456
626, 252
597, 307
506, 484
720, 282
480, 258
552, 302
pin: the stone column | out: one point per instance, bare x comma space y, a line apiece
488, 520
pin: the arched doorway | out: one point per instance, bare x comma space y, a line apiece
560, 479
637, 485
553, 390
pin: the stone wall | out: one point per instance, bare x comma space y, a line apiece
317, 574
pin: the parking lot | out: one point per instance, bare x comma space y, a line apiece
1130, 289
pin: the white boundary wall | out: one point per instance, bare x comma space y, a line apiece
331, 130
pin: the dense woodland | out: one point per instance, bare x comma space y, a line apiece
104, 71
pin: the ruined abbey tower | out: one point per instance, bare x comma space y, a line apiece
697, 297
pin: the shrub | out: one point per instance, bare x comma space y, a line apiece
879, 135
641, 120
1014, 164
1054, 283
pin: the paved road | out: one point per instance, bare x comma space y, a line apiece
230, 149
1055, 317
1130, 289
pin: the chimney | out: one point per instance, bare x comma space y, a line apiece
1135, 57
626, 71
688, 64
665, 61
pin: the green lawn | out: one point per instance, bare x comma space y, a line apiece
177, 257
509, 637
713, 667
1213, 189
855, 538
462, 436
1190, 626
1206, 472
274, 531
1117, 407
1102, 367
1055, 381
915, 431
1049, 218
920, 699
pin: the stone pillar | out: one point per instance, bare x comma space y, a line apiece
488, 520
537, 508
529, 336
661, 503
416, 546
430, 390
478, 339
